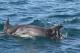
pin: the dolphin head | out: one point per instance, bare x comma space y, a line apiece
55, 32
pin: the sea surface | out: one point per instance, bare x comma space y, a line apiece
44, 13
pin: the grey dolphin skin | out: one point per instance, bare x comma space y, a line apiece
32, 31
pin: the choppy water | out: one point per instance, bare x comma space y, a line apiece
44, 13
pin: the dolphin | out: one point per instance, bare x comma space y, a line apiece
30, 31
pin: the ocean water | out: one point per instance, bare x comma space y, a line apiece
44, 13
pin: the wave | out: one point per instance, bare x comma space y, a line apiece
1, 27
18, 2
2, 9
74, 20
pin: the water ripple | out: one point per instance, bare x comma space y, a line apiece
44, 13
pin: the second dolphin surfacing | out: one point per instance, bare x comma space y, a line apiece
32, 31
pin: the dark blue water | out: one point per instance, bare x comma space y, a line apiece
43, 13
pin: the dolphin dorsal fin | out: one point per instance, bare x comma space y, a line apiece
6, 24
7, 21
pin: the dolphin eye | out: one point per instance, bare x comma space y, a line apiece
23, 33
53, 32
